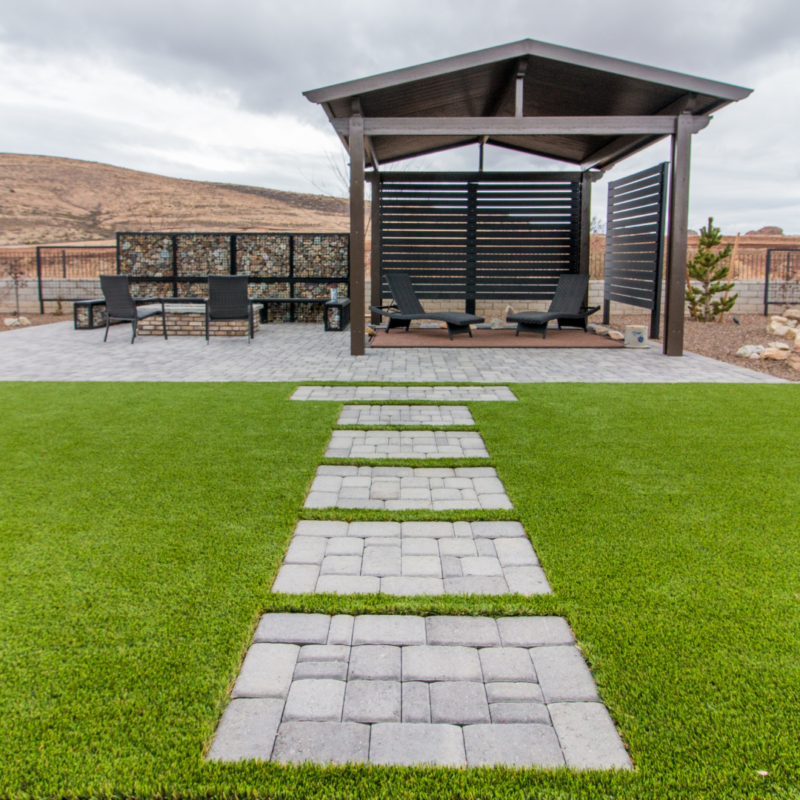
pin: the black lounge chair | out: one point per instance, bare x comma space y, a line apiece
407, 307
228, 300
566, 307
121, 307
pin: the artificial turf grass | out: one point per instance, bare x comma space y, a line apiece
121, 637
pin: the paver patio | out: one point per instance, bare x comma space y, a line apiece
396, 488
406, 415
410, 558
406, 444
303, 352
456, 691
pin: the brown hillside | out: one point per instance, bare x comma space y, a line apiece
45, 200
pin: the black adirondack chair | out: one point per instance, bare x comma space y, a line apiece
406, 307
121, 307
566, 307
228, 300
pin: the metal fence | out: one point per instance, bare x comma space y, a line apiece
71, 262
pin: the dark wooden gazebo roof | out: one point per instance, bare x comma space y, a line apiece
536, 98
556, 82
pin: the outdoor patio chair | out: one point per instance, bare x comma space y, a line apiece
228, 300
407, 307
121, 307
566, 307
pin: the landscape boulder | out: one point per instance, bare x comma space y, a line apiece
16, 322
750, 350
773, 354
780, 345
792, 313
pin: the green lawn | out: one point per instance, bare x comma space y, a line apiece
141, 526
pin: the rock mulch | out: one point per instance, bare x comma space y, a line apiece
402, 690
410, 558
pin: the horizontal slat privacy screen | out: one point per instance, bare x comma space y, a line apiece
635, 240
480, 236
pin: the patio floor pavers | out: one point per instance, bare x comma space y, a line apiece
302, 352
410, 558
413, 690
406, 444
398, 488
406, 415
438, 394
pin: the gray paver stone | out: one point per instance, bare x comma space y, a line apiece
293, 628
499, 529
315, 701
514, 693
465, 631
511, 664
324, 652
476, 472
489, 501
563, 674
588, 736
389, 629
321, 500
318, 527
450, 663
348, 584
451, 567
381, 561
247, 730
459, 703
374, 662
372, 701
306, 550
322, 743
516, 552
416, 702
341, 565
319, 670
472, 566
410, 744
344, 546
485, 548
510, 713
418, 546
341, 630
296, 578
527, 580
267, 671
534, 631
476, 585
409, 586
435, 530
457, 547
371, 529
422, 567
512, 745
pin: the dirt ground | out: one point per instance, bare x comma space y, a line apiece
35, 319
722, 340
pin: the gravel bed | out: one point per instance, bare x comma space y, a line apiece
722, 340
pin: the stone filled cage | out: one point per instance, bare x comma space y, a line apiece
292, 273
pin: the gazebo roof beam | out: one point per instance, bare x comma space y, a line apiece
519, 126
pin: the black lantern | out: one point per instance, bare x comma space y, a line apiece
337, 314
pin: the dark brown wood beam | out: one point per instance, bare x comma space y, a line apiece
519, 126
677, 236
375, 257
357, 234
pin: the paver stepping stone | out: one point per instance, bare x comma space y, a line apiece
406, 415
412, 558
410, 444
463, 394
398, 488
412, 690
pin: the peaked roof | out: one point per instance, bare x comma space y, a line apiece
558, 81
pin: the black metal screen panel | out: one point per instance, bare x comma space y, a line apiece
782, 278
480, 236
635, 240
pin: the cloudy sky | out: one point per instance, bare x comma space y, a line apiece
211, 89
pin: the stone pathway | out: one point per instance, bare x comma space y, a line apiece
441, 416
406, 444
455, 691
399, 488
410, 558
435, 394
300, 352
410, 690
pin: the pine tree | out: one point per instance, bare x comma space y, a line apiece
707, 270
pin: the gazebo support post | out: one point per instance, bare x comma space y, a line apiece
585, 246
357, 238
677, 240
375, 252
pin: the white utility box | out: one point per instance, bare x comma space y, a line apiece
636, 336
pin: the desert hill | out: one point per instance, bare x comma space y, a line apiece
45, 200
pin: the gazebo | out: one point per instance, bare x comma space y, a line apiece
584, 109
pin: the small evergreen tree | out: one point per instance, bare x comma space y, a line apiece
707, 270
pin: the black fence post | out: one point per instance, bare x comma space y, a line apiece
291, 278
766, 283
472, 250
39, 279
